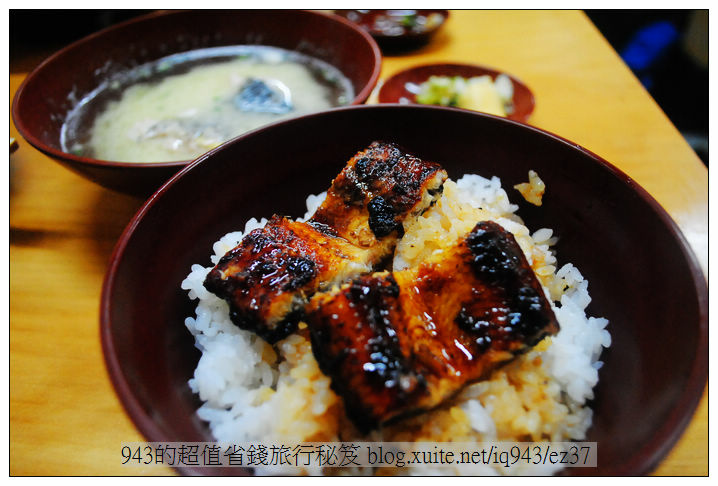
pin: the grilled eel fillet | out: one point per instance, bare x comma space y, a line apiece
376, 191
396, 344
270, 276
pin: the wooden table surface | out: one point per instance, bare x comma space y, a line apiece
64, 416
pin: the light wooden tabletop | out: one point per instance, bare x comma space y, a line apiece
64, 416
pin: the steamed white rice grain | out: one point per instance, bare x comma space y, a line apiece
254, 391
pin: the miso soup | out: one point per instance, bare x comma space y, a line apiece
183, 105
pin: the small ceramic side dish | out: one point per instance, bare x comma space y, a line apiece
404, 86
398, 29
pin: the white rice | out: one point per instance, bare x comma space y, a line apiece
253, 391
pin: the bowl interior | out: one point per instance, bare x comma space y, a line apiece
642, 276
397, 89
54, 87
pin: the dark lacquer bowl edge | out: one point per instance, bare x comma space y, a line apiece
71, 160
643, 462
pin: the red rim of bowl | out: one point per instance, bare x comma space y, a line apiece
644, 461
452, 69
360, 98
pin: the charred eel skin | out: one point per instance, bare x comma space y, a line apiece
396, 344
270, 276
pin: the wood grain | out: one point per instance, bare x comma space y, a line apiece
64, 416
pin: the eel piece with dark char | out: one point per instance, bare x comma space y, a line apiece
378, 189
400, 343
270, 276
